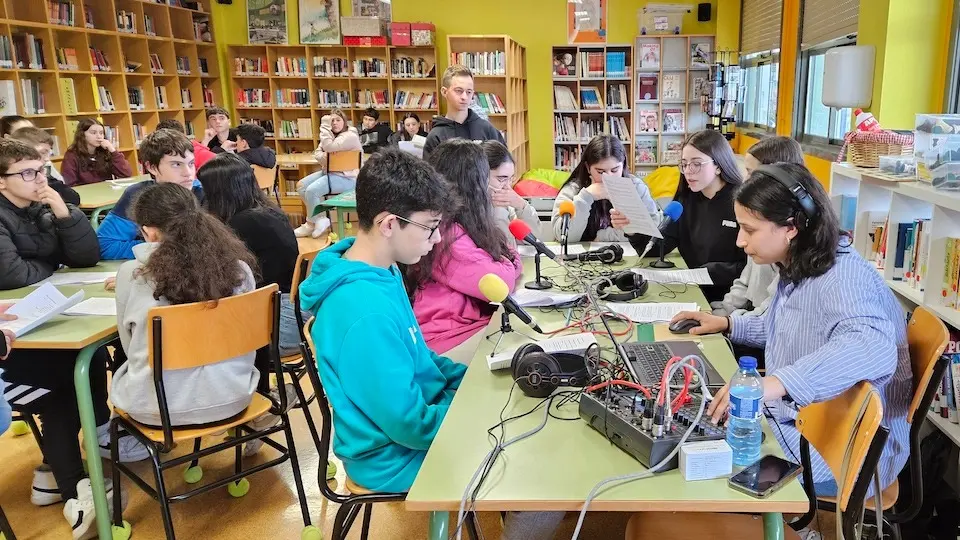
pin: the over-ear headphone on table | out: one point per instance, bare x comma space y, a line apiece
800, 193
610, 254
539, 373
631, 284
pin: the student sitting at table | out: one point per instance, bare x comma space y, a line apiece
168, 156
92, 157
508, 205
201, 154
444, 284
335, 136
706, 233
592, 217
385, 423
833, 321
38, 234
42, 141
188, 256
410, 127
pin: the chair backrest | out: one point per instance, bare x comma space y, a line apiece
302, 268
265, 177
843, 430
344, 161
197, 334
927, 337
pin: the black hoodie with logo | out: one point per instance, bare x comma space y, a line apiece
375, 138
473, 128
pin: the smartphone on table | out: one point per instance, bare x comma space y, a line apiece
765, 476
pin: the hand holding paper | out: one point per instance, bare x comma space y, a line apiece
625, 199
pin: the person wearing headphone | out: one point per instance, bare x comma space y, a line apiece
832, 322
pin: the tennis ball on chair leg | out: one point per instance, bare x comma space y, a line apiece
311, 532
19, 428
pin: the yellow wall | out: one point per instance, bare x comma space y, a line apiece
538, 25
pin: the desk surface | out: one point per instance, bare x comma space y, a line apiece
74, 332
347, 199
93, 196
305, 158
556, 468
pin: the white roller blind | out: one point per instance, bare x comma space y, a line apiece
761, 25
827, 20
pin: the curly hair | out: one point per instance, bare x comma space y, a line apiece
198, 256
99, 160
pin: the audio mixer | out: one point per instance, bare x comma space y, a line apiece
628, 420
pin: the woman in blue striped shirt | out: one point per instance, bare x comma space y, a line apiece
832, 322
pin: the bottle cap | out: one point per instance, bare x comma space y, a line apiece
748, 362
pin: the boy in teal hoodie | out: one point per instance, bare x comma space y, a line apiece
388, 391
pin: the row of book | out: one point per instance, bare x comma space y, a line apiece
618, 97
98, 60
267, 125
250, 67
482, 63
301, 128
126, 22
700, 57
291, 67
373, 67
913, 246
407, 67
645, 152
565, 158
590, 64
618, 127
183, 66
428, 100
253, 97
65, 13
331, 67
28, 50
104, 100
292, 97
674, 121
334, 98
156, 66
567, 129
149, 27
944, 403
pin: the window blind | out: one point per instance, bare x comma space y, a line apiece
760, 29
827, 20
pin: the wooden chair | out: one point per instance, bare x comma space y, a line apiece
339, 162
846, 431
358, 498
268, 179
236, 325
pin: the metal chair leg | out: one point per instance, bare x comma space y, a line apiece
161, 493
5, 529
344, 518
196, 448
301, 395
295, 465
34, 428
115, 474
367, 514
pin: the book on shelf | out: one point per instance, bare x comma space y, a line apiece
407, 67
647, 121
55, 147
292, 97
186, 98
291, 66
418, 100
201, 29
566, 157
183, 66
365, 98
29, 51
616, 64
482, 63
136, 97
253, 97
699, 88
34, 100
671, 154
139, 133
204, 69
618, 97
61, 13
565, 128
189, 129
330, 67
88, 21
6, 52
267, 125
951, 273
149, 28
72, 127
673, 121
912, 247
671, 87
160, 93
112, 134
250, 67
650, 56
334, 98
647, 87
564, 64
618, 128
98, 60
490, 102
590, 98
156, 67
645, 152
67, 58
564, 99
370, 67
591, 64
208, 97
105, 99
8, 98
700, 55
590, 128
68, 96
132, 67
126, 22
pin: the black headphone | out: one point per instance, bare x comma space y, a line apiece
631, 284
800, 193
539, 373
610, 254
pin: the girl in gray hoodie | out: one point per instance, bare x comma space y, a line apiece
189, 256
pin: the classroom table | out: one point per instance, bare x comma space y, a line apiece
342, 203
84, 334
293, 161
556, 468
101, 197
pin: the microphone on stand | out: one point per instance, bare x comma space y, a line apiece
521, 231
495, 290
671, 213
566, 210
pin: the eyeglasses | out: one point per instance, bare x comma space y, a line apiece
30, 175
693, 166
411, 222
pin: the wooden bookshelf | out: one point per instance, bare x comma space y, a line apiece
95, 27
596, 70
675, 65
508, 82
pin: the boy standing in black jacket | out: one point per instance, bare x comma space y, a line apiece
461, 122
250, 146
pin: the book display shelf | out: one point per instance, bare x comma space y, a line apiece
130, 63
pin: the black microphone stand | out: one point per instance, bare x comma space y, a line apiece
505, 329
540, 283
660, 263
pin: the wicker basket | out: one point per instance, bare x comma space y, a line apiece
864, 148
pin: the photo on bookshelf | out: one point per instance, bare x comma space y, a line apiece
699, 55
320, 22
564, 65
267, 21
647, 121
650, 56
646, 151
647, 88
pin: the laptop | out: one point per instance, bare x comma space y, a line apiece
649, 359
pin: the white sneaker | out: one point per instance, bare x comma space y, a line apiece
304, 230
267, 420
44, 490
320, 227
80, 513
131, 450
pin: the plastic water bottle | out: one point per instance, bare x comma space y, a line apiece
744, 432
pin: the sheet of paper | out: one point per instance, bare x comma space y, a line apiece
77, 278
562, 343
624, 197
39, 307
697, 276
628, 250
411, 148
527, 250
94, 306
651, 311
531, 298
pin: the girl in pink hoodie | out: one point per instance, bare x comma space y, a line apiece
444, 285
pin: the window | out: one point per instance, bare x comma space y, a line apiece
760, 76
816, 123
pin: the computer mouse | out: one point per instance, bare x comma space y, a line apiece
683, 326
